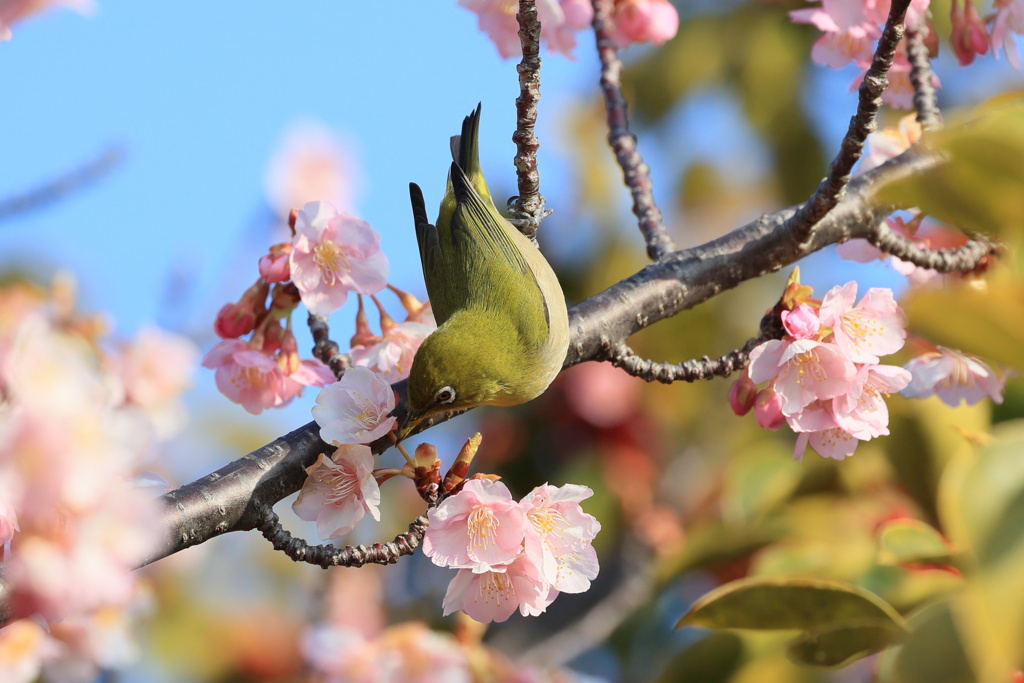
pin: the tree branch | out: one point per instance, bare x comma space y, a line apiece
64, 185
528, 208
831, 190
634, 171
925, 99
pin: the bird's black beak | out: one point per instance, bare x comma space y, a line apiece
408, 424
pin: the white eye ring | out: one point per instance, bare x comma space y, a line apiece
445, 396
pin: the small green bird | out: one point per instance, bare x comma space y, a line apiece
503, 330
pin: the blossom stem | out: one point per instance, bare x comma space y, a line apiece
401, 449
325, 349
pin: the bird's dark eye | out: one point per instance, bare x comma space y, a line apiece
444, 396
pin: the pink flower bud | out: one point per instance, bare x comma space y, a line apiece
237, 319
274, 265
768, 409
742, 395
802, 322
364, 336
233, 321
387, 323
968, 37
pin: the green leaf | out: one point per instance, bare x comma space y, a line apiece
979, 189
839, 621
932, 652
910, 541
837, 647
781, 602
983, 509
709, 660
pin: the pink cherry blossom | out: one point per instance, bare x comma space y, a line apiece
245, 375
311, 163
559, 536
832, 442
308, 373
802, 322
391, 355
339, 491
1008, 20
355, 409
953, 377
480, 528
412, 653
863, 412
493, 596
848, 35
560, 20
641, 21
874, 327
12, 11
803, 370
333, 254
155, 368
24, 647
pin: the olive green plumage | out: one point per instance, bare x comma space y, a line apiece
502, 329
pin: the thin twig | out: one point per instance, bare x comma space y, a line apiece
64, 185
635, 172
832, 189
964, 259
349, 556
621, 356
925, 98
528, 208
325, 349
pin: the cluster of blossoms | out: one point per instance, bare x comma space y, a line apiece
824, 378
512, 555
331, 254
635, 21
75, 516
850, 29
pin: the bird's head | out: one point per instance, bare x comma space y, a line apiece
461, 365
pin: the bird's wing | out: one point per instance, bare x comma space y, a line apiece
430, 257
466, 153
481, 244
